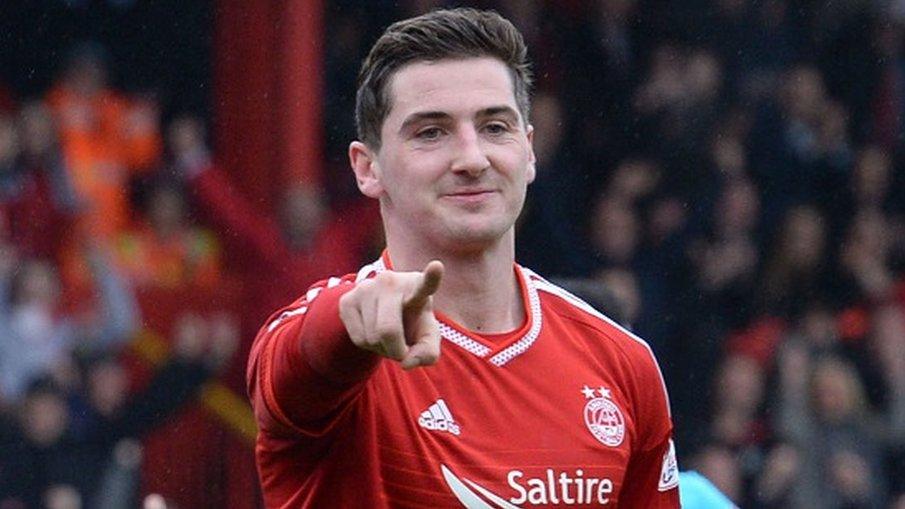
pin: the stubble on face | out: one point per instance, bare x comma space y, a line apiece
456, 156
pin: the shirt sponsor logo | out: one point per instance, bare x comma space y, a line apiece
437, 417
560, 488
669, 473
602, 417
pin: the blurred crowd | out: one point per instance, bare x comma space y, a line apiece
106, 213
725, 177
88, 219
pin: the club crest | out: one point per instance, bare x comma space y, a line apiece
603, 417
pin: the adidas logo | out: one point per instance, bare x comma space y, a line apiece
438, 418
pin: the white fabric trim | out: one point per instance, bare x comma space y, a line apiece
449, 333
301, 310
452, 335
534, 314
365, 272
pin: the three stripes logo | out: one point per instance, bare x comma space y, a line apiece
438, 418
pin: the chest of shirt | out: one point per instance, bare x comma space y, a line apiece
552, 427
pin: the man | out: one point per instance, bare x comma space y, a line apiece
538, 400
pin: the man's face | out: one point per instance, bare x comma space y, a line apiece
455, 158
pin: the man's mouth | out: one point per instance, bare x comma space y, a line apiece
470, 195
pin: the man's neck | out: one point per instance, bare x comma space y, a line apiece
479, 291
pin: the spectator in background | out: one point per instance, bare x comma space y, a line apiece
164, 249
869, 188
725, 258
738, 399
726, 161
303, 242
636, 231
36, 199
37, 339
774, 485
864, 259
796, 267
106, 138
801, 143
677, 107
624, 288
718, 464
886, 345
872, 179
738, 431
823, 413
41, 422
615, 232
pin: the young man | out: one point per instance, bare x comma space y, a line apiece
537, 400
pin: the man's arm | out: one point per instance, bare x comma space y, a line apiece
311, 359
652, 478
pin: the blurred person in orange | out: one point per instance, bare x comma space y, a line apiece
105, 136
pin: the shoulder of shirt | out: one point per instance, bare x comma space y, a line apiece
577, 310
635, 349
300, 305
315, 289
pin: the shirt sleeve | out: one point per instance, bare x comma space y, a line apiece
303, 370
652, 479
652, 476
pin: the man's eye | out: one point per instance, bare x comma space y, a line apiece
496, 128
431, 133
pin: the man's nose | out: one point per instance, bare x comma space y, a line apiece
470, 157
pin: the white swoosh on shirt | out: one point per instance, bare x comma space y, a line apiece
470, 499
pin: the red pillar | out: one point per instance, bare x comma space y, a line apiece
300, 91
268, 94
243, 71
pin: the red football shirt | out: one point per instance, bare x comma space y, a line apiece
568, 410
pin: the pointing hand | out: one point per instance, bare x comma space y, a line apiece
392, 315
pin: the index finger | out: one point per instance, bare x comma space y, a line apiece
430, 283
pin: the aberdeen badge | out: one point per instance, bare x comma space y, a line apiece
603, 417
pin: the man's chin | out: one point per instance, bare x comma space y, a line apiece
470, 238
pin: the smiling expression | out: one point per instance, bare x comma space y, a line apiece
455, 156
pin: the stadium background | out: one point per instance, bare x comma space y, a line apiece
724, 175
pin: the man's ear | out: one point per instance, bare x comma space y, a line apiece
532, 159
367, 172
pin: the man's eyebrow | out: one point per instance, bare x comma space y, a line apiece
498, 110
492, 111
421, 116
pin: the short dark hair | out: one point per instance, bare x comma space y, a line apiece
442, 34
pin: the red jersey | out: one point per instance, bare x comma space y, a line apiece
568, 410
